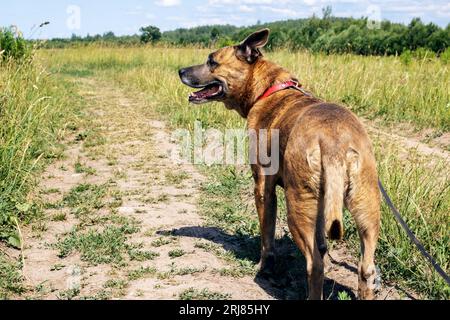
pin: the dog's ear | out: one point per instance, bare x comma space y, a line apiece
248, 50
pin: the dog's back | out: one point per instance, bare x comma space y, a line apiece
324, 148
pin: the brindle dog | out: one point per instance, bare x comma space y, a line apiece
327, 159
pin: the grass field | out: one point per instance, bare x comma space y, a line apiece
378, 88
35, 110
375, 87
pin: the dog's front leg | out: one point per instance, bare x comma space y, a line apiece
266, 205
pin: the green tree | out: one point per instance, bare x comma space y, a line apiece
215, 33
109, 36
150, 34
327, 12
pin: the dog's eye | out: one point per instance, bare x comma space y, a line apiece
212, 63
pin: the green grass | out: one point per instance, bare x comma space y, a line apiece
421, 192
141, 255
176, 178
59, 217
93, 139
116, 284
80, 168
174, 271
343, 296
204, 294
242, 262
142, 272
176, 253
84, 199
226, 205
10, 278
163, 198
85, 193
51, 191
101, 295
69, 294
115, 287
162, 241
35, 111
57, 267
109, 246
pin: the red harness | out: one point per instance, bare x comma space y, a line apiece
290, 84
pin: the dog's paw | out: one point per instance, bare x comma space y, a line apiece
267, 265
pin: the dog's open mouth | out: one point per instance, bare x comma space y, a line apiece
212, 91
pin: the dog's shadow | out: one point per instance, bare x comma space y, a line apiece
288, 282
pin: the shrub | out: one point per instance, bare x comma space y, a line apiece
224, 42
423, 54
13, 45
445, 56
406, 57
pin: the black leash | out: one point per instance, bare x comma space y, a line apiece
412, 237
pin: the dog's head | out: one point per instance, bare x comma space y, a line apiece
225, 75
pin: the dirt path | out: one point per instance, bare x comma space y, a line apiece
121, 219
435, 149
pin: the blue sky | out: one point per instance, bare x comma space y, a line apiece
126, 17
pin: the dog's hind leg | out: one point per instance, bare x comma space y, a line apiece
367, 221
302, 220
363, 201
320, 230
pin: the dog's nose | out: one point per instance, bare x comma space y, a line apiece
182, 72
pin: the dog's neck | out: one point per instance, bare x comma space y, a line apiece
264, 74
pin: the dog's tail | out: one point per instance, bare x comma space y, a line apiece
333, 186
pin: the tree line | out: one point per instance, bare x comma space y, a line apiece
326, 34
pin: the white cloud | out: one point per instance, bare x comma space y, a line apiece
245, 8
238, 2
246, 11
135, 11
168, 3
140, 11
281, 11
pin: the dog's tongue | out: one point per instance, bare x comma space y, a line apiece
206, 92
